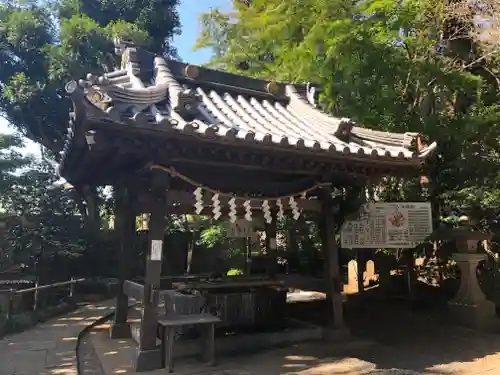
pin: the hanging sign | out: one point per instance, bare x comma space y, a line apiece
388, 225
239, 229
156, 249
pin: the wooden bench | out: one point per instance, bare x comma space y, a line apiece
168, 325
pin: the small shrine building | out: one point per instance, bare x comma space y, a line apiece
177, 138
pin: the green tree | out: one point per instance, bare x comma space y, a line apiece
46, 233
158, 19
412, 65
45, 44
10, 160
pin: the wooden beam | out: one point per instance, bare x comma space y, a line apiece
182, 202
228, 284
193, 151
133, 290
237, 180
249, 167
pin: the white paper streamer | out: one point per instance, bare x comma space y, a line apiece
232, 210
216, 204
198, 195
281, 212
248, 210
267, 211
294, 207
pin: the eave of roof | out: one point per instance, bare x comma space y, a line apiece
227, 107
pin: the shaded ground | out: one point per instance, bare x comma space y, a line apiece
412, 336
309, 359
424, 342
390, 338
48, 348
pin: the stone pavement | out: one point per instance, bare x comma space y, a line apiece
49, 348
409, 346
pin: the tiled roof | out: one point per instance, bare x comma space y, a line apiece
152, 91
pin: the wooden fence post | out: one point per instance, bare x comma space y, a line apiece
35, 299
10, 307
72, 287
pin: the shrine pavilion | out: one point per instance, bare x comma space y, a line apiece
176, 138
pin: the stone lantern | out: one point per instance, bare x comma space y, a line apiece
470, 307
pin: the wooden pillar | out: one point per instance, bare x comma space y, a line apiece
149, 356
271, 246
125, 228
331, 255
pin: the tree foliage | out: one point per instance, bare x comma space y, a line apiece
10, 160
412, 65
42, 45
45, 44
45, 226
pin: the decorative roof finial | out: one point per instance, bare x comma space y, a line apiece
121, 45
312, 94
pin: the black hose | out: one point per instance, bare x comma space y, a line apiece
88, 328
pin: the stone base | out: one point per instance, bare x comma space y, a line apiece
481, 316
148, 360
120, 331
334, 335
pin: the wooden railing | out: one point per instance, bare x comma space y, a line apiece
133, 290
12, 293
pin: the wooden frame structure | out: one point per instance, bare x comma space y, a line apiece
144, 126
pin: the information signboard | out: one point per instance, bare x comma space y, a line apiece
388, 225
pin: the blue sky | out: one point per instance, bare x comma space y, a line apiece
189, 12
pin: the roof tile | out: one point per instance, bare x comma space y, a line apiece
218, 104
